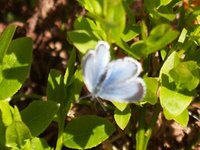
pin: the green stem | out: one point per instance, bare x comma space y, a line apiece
61, 124
151, 126
140, 135
143, 134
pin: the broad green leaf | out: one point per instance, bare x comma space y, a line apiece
115, 19
175, 103
94, 6
151, 90
5, 39
84, 23
94, 28
159, 37
122, 117
38, 115
55, 88
82, 40
130, 32
172, 61
15, 67
16, 134
120, 106
182, 118
87, 132
186, 75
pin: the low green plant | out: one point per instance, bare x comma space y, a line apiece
166, 30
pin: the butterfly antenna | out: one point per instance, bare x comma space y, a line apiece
102, 105
84, 97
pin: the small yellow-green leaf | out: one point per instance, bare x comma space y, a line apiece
151, 90
120, 106
175, 103
182, 118
122, 117
16, 134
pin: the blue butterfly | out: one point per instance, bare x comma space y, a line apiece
112, 80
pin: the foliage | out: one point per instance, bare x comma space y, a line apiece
171, 85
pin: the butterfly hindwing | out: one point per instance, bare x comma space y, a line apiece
122, 83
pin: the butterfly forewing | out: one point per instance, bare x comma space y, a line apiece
94, 65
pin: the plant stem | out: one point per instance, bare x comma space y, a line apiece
140, 135
61, 124
143, 134
151, 126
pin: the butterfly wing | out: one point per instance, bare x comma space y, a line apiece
94, 65
122, 83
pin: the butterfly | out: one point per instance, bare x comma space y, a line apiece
115, 80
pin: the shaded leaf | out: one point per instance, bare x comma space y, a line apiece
87, 132
37, 118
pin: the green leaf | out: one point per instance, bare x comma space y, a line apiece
122, 117
159, 37
120, 106
16, 134
5, 39
55, 88
186, 75
115, 19
94, 6
37, 118
172, 61
36, 144
15, 67
164, 2
5, 119
6, 113
82, 40
175, 103
151, 90
74, 89
123, 45
131, 32
93, 28
87, 132
16, 114
182, 36
70, 69
182, 119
